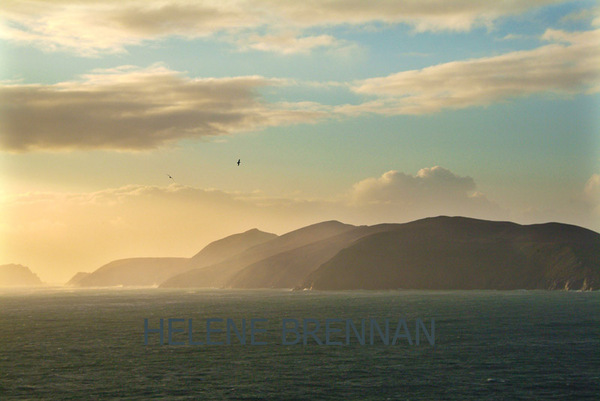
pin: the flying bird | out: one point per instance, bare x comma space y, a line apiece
239, 161
169, 175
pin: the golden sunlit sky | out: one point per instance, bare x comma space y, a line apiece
359, 111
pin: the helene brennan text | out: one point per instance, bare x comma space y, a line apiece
255, 331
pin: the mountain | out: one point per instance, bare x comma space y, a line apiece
153, 271
76, 279
17, 275
462, 253
222, 249
133, 272
289, 269
219, 274
442, 253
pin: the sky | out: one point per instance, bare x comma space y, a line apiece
363, 112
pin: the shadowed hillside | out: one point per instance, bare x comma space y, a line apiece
289, 269
222, 249
218, 275
462, 253
76, 279
17, 275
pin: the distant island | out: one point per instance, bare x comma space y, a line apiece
13, 275
438, 253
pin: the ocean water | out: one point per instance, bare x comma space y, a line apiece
60, 344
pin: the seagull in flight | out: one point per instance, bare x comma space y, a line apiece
169, 175
239, 161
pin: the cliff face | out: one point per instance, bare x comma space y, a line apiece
462, 253
17, 275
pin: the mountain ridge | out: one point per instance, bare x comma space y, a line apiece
286, 269
219, 274
145, 271
440, 252
18, 275
462, 253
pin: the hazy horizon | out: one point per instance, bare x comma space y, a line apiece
186, 257
121, 122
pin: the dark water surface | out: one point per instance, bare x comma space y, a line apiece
489, 345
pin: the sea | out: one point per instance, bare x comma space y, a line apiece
92, 344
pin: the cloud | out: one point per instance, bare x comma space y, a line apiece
130, 108
432, 191
395, 186
134, 109
571, 64
93, 27
591, 15
512, 36
288, 43
592, 188
591, 196
582, 208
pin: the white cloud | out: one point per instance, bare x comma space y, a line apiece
395, 186
512, 36
288, 43
94, 26
588, 14
591, 193
132, 108
432, 191
582, 208
592, 187
569, 65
